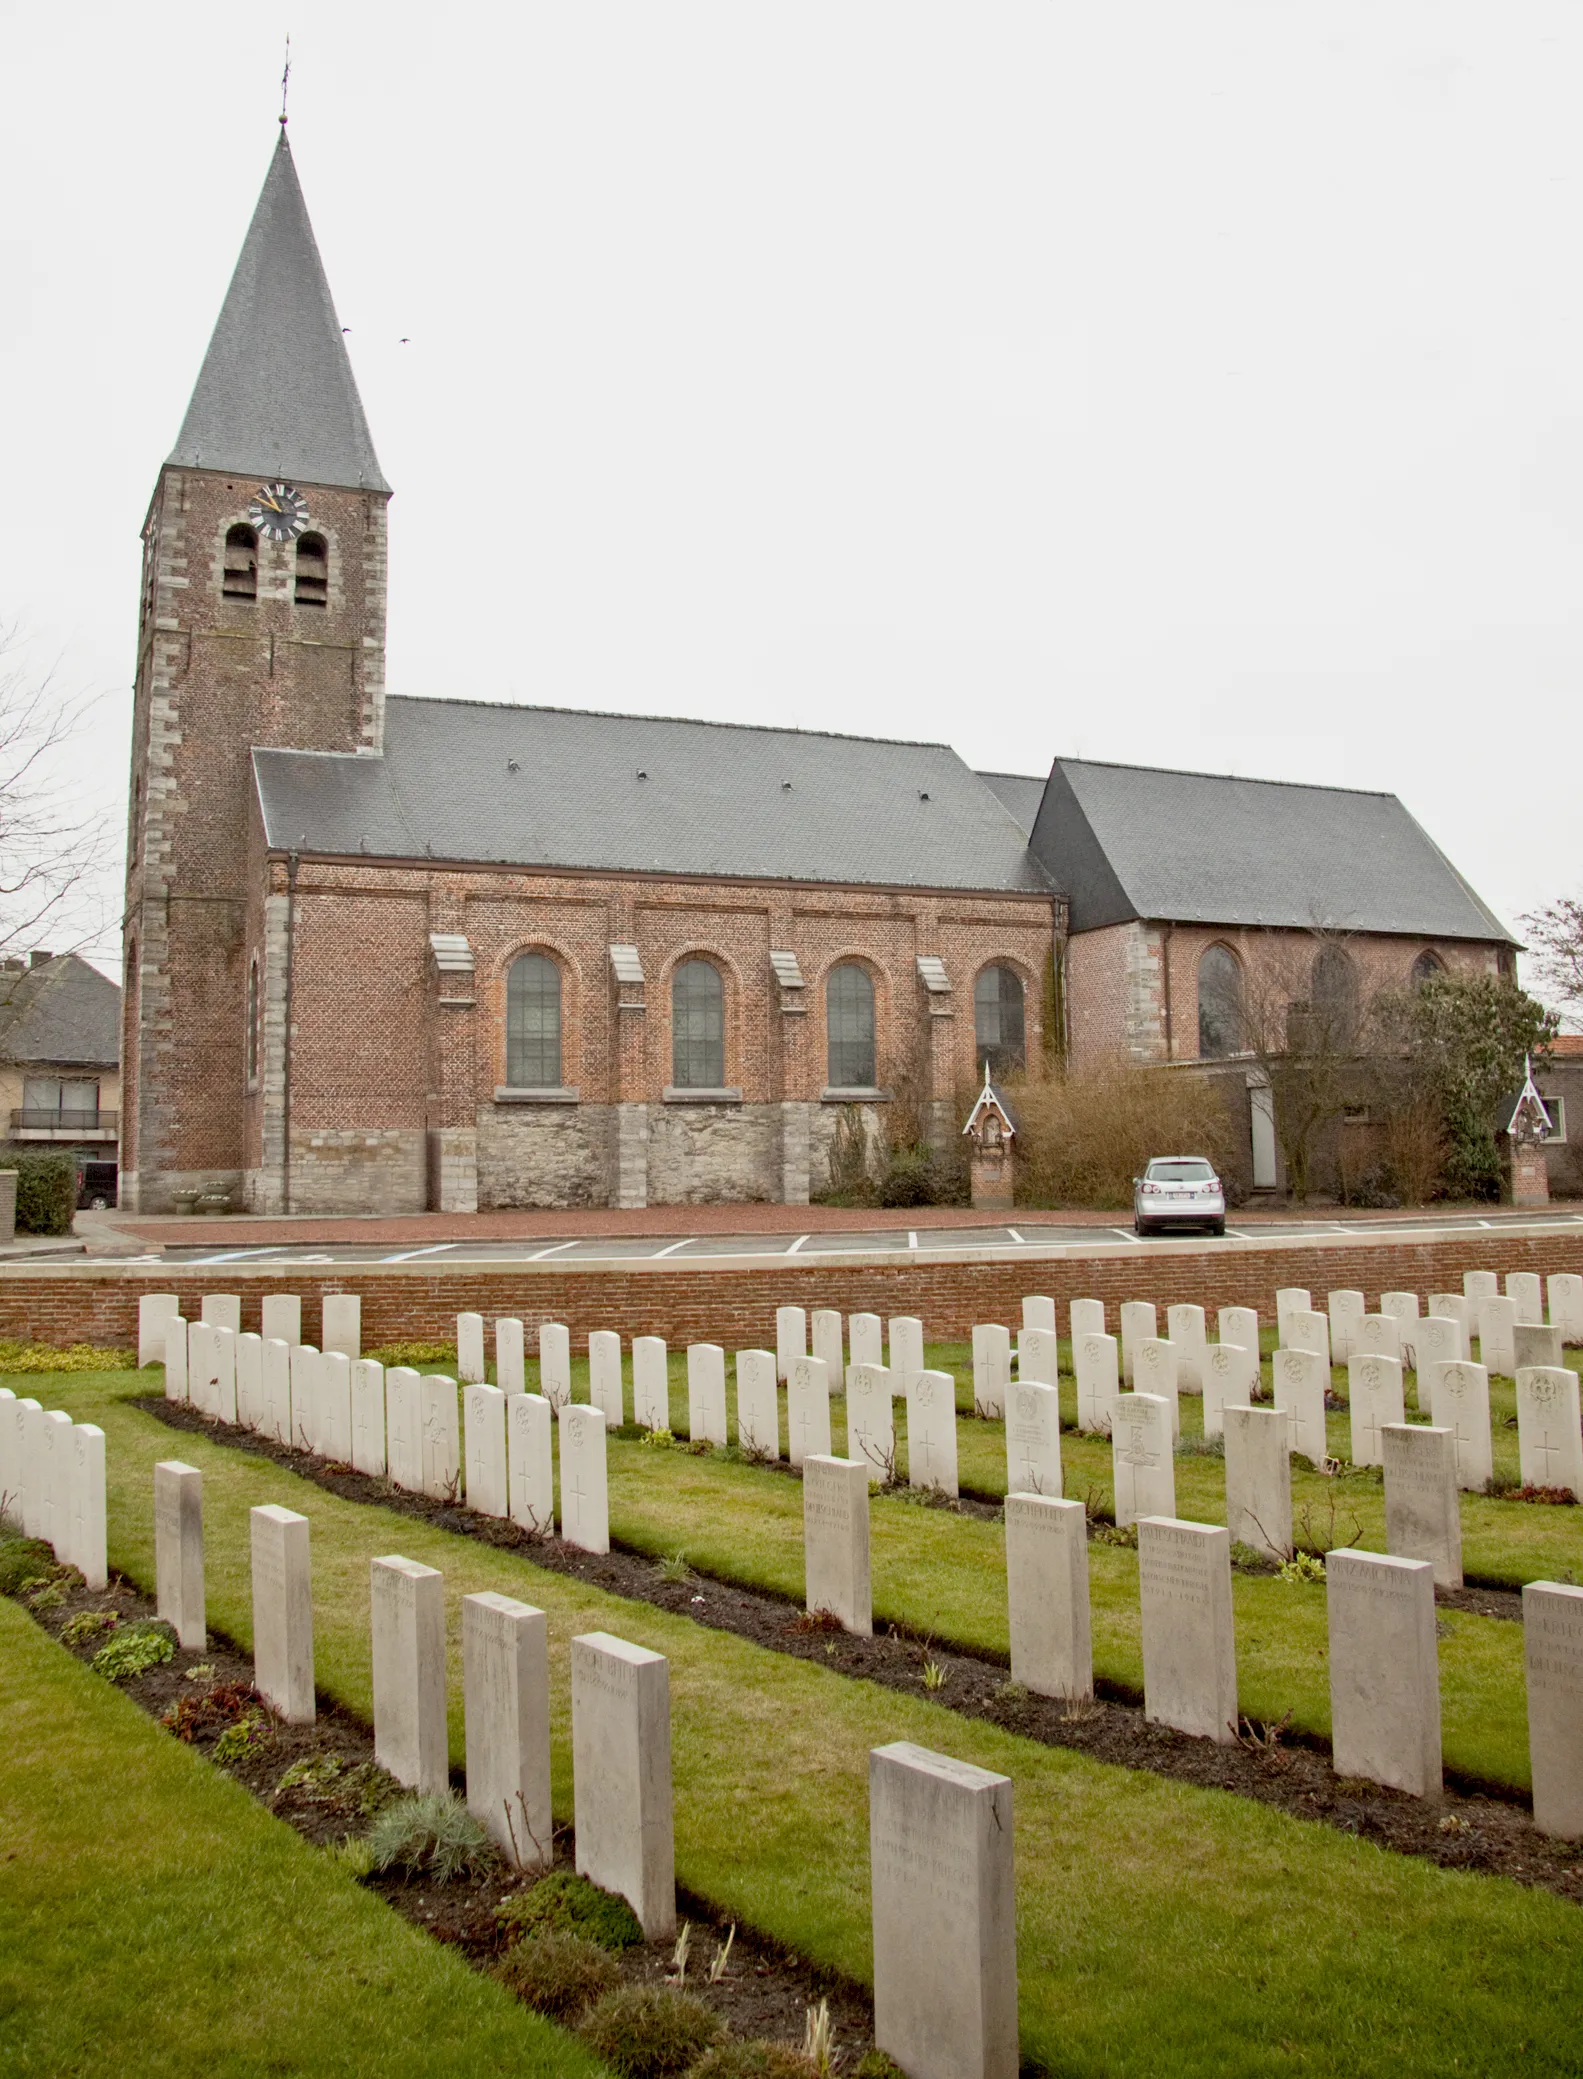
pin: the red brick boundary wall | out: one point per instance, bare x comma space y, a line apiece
733, 1302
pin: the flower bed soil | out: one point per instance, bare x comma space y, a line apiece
1474, 1826
766, 1990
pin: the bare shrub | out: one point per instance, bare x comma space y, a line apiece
1416, 1149
1082, 1137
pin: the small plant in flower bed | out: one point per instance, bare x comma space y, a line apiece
875, 2064
80, 1357
245, 1737
41, 1595
1112, 1534
558, 1975
433, 1835
87, 1626
751, 2061
23, 1560
328, 1780
570, 1905
1552, 1497
414, 1353
209, 1710
132, 1649
1302, 1567
646, 2032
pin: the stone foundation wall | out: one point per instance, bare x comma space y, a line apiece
546, 1155
349, 1170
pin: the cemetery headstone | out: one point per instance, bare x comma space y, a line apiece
404, 1427
1402, 1307
178, 1551
484, 1431
1553, 1657
1458, 1397
89, 1526
1422, 1519
826, 1341
154, 1310
511, 1360
281, 1318
807, 1409
1096, 1359
1154, 1371
1240, 1325
250, 1381
706, 1393
931, 1431
335, 1406
906, 1345
1453, 1306
1033, 1440
1477, 1286
222, 1310
555, 1363
1439, 1341
1346, 1309
1047, 1594
1259, 1479
866, 1339
506, 1707
304, 1397
1549, 1446
1497, 1319
1378, 1335
176, 1371
29, 1417
791, 1338
1037, 1353
203, 1368
342, 1325
991, 1368
275, 1361
407, 1624
54, 1463
224, 1389
1230, 1375
585, 1491
439, 1429
1038, 1311
1289, 1299
606, 1389
283, 1612
1384, 1670
1301, 1377
758, 1405
1534, 1343
1088, 1318
621, 1776
470, 1367
1137, 1321
1310, 1332
871, 1421
1140, 1455
1566, 1305
368, 1417
1189, 1642
1525, 1290
835, 1541
651, 1390
10, 1460
530, 1462
1184, 1328
1374, 1387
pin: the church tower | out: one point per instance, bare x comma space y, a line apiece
261, 622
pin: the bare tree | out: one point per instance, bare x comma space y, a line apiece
1306, 1021
1555, 935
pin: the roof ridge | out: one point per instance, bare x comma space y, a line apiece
1236, 779
605, 714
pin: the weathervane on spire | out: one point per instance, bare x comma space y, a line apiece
285, 81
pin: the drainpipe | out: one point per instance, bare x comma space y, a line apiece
285, 1068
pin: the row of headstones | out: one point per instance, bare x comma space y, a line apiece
52, 1482
341, 1315
943, 1895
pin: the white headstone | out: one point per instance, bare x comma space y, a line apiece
1534, 1342
282, 1318
529, 1421
621, 1776
304, 1397
1301, 1377
871, 1421
1033, 1440
791, 1337
222, 1310
1526, 1292
865, 1339
1384, 1670
250, 1381
484, 1432
1096, 1359
605, 1387
1374, 1387
1311, 1332
1138, 1320
906, 1345
931, 1431
154, 1310
1184, 1327
470, 1367
335, 1406
1259, 1479
1289, 1299
585, 1492
1088, 1318
10, 1460
1478, 1286
807, 1409
203, 1369
404, 1428
758, 1404
1458, 1396
991, 1368
33, 1496
224, 1374
368, 1417
1402, 1307
1037, 1355
283, 1612
1453, 1306
1240, 1325
407, 1625
1378, 1335
54, 1463
1549, 1446
1553, 1654
944, 1915
1346, 1309
176, 1367
511, 1363
555, 1363
342, 1314
1439, 1341
1230, 1375
89, 1526
275, 1361
178, 1551
1422, 1519
651, 1390
1566, 1305
506, 1701
440, 1430
835, 1541
826, 1342
1038, 1312
1497, 1321
1047, 1594
1189, 1640
1154, 1371
706, 1393
1140, 1456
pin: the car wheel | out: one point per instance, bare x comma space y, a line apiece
1217, 1226
1141, 1227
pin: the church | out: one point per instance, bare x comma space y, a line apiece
388, 954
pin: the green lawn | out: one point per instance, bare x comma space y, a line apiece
1161, 1928
155, 1919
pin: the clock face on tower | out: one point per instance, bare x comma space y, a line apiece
278, 511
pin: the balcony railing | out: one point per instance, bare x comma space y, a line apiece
63, 1119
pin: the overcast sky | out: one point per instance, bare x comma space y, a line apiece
1193, 385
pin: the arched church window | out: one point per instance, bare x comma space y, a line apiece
313, 571
1335, 993
1219, 1004
1427, 968
533, 1023
849, 1017
999, 1023
241, 564
698, 1027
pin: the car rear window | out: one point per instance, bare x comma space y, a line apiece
1181, 1173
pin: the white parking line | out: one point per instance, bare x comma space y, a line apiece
912, 1237
1126, 1233
407, 1255
236, 1255
539, 1255
1016, 1237
796, 1245
671, 1251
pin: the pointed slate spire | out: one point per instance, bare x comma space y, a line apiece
275, 396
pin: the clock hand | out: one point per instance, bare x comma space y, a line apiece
274, 508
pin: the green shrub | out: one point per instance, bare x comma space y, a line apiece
87, 1625
241, 1738
414, 1353
433, 1835
874, 2064
570, 1905
46, 1190
646, 2032
79, 1357
132, 1649
558, 1975
752, 2061
22, 1559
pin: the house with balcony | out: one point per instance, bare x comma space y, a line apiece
60, 1070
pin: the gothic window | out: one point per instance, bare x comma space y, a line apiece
241, 564
1426, 968
1219, 1004
1335, 993
698, 1027
313, 571
998, 1020
533, 1024
252, 1022
849, 1017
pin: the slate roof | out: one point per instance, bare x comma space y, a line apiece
1020, 794
1129, 841
62, 1011
275, 396
535, 786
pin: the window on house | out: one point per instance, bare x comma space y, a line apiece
1425, 968
999, 1021
65, 1101
698, 1027
313, 571
1335, 996
849, 1016
1219, 1004
252, 1022
1556, 1112
533, 1023
241, 564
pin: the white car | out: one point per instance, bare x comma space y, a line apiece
1178, 1191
